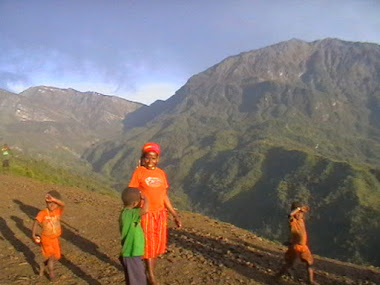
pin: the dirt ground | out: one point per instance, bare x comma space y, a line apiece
204, 251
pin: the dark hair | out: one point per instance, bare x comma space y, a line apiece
295, 205
130, 195
141, 162
55, 194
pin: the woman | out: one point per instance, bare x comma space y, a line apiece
153, 184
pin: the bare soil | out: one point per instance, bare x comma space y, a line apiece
205, 251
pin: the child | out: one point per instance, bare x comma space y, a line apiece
132, 236
298, 248
152, 182
49, 220
5, 152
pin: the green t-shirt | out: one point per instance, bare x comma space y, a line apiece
132, 235
5, 152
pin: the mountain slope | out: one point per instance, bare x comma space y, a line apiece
59, 123
251, 134
205, 251
329, 87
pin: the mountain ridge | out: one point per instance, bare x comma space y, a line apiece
45, 120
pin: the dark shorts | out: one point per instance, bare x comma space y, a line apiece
134, 270
6, 163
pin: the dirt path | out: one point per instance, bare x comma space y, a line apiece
204, 252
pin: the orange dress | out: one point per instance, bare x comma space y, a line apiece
153, 184
51, 231
298, 240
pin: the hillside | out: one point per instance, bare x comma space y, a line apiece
205, 251
321, 96
251, 134
58, 124
38, 169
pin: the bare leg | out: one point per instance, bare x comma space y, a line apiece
310, 274
150, 264
42, 267
50, 264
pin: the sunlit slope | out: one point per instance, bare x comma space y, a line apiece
204, 251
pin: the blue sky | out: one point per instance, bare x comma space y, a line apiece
146, 50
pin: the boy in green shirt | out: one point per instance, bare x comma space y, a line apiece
132, 236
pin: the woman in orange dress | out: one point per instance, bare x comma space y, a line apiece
153, 183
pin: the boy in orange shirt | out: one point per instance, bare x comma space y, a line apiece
298, 248
49, 220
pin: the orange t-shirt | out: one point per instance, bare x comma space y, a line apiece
50, 221
298, 231
153, 184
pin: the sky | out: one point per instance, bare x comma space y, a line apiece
145, 50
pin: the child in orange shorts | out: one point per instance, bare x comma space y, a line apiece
49, 221
297, 246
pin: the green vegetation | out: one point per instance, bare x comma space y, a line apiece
249, 178
41, 170
242, 140
255, 192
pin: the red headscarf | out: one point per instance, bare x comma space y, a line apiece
151, 146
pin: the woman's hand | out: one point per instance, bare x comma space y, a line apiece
177, 221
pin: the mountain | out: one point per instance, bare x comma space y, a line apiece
60, 123
204, 251
330, 85
246, 137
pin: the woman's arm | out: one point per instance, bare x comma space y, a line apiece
145, 206
170, 208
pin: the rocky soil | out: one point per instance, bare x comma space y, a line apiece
205, 251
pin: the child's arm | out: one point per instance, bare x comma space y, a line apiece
34, 229
145, 207
295, 211
49, 198
170, 208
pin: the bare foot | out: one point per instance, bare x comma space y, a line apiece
152, 281
52, 276
42, 269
